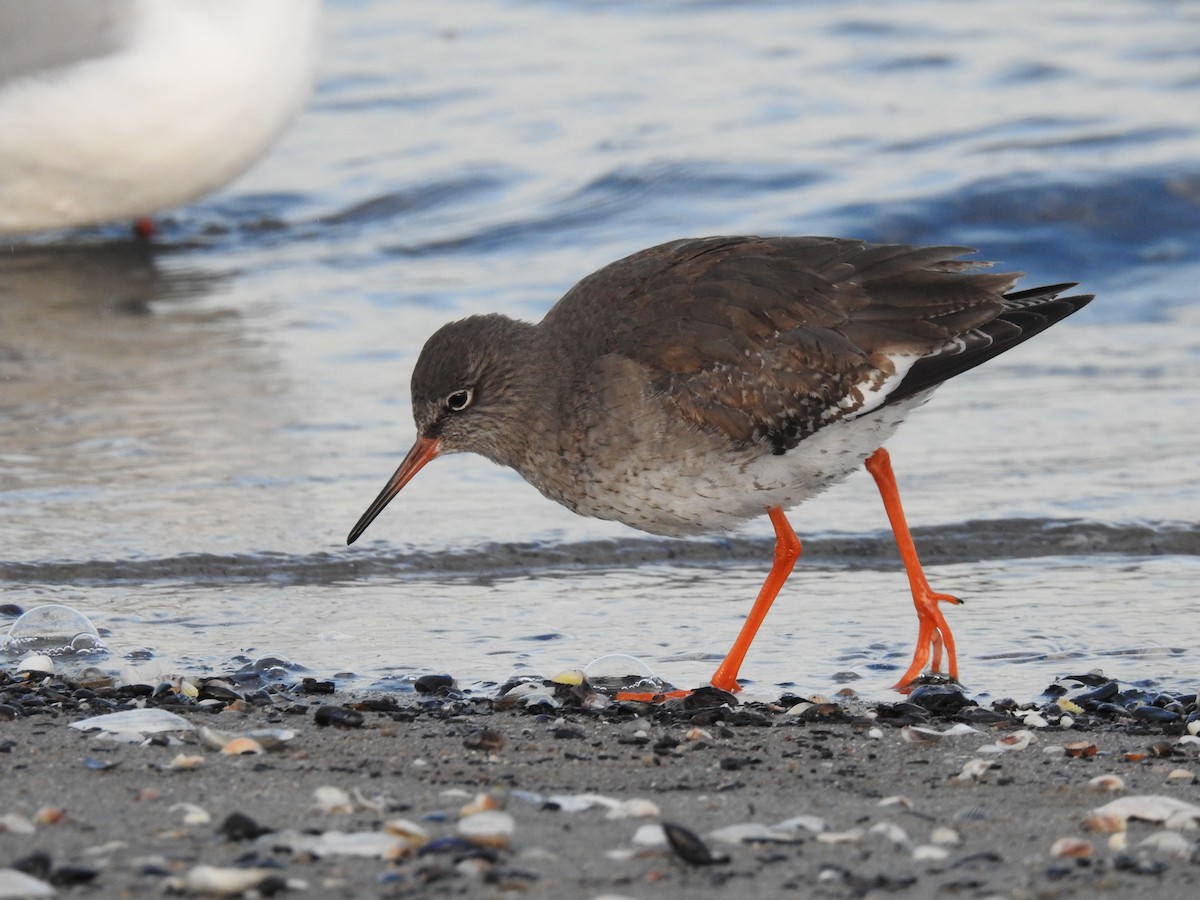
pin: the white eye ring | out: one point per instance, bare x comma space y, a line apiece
460, 400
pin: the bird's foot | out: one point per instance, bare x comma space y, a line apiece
933, 634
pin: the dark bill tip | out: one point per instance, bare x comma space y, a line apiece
422, 452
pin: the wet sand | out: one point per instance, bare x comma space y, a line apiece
878, 807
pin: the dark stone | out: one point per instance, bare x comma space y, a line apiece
240, 827
338, 716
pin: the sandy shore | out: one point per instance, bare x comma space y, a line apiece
843, 799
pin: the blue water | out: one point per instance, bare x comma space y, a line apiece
188, 431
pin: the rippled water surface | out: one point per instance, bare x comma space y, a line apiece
188, 430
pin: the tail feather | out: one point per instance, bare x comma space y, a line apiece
1024, 315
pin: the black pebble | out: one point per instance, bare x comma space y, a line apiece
431, 684
339, 716
240, 827
689, 847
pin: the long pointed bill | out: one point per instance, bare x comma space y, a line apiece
422, 452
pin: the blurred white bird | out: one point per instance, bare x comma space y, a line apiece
119, 109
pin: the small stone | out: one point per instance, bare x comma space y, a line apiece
487, 740
238, 827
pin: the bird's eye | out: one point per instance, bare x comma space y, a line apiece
460, 400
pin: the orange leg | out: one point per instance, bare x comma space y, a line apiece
933, 632
787, 551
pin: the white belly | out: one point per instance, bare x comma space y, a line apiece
704, 491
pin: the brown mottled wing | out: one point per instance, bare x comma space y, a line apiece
772, 338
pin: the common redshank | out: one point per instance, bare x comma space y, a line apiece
700, 383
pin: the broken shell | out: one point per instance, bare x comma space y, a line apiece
649, 836
223, 882
1081, 749
815, 824
930, 852
1071, 848
184, 761
689, 847
147, 720
698, 734
751, 833
1018, 740
915, 734
852, 836
974, 770
243, 746
1103, 823
410, 831
192, 814
36, 664
944, 835
50, 815
487, 829
889, 831
1107, 783
1181, 775
633, 808
332, 800
1152, 808
481, 803
1171, 842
